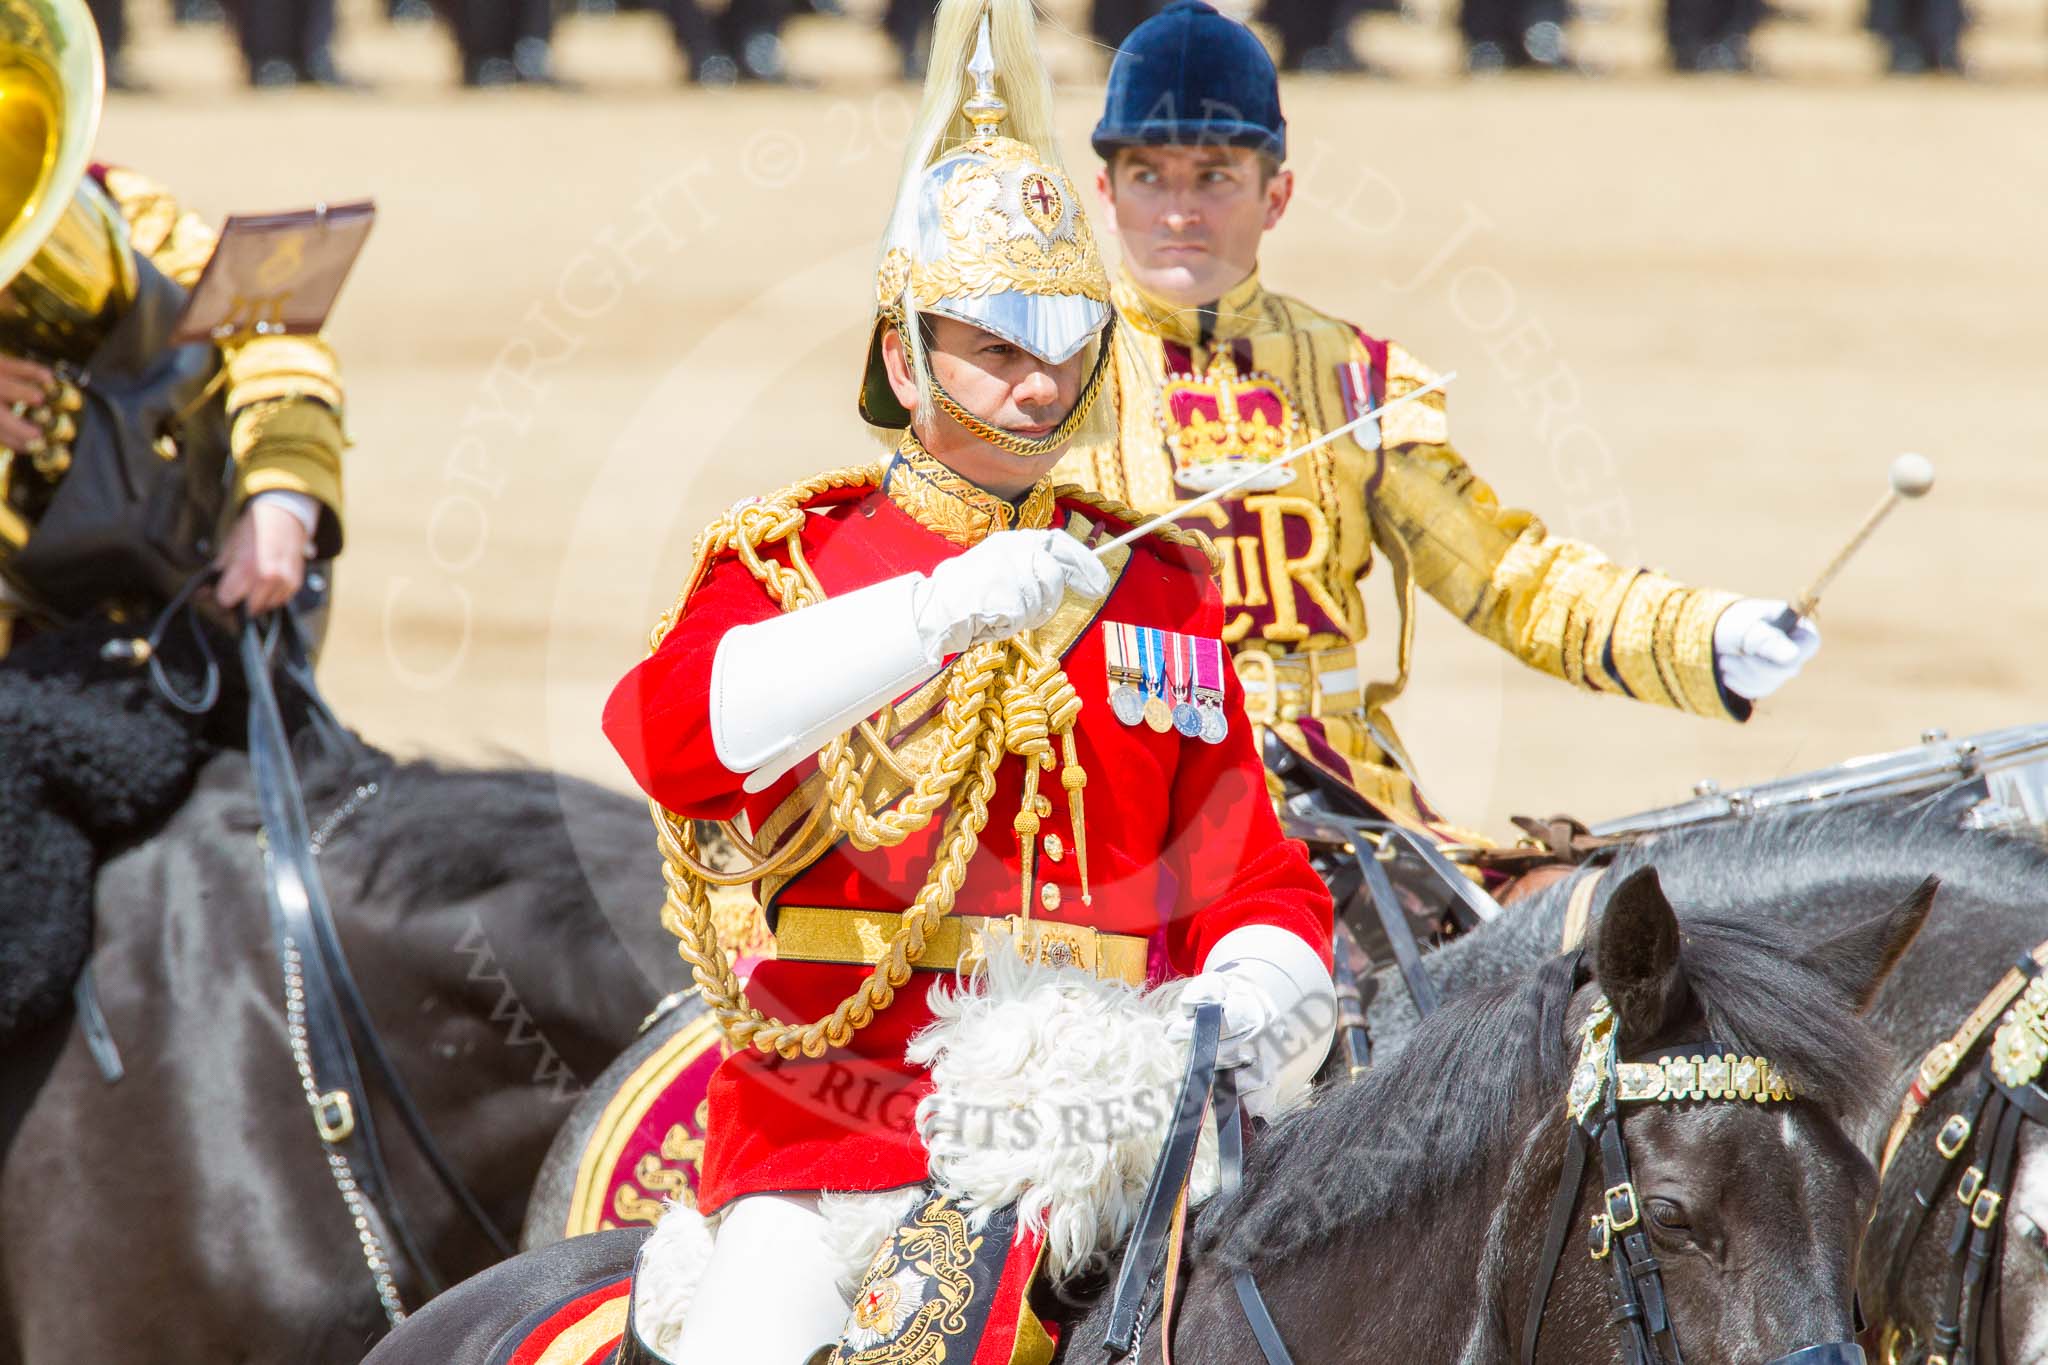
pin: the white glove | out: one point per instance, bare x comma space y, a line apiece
1753, 656
1279, 1013
1010, 582
782, 687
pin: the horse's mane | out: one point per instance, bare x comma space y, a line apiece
1871, 848
1818, 868
1455, 1097
441, 833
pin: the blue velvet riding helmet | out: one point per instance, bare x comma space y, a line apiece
1191, 76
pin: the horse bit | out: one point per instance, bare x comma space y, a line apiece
1601, 1084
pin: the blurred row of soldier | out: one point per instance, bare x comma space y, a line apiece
505, 42
501, 42
1701, 35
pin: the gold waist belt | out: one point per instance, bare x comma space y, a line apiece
809, 933
1318, 682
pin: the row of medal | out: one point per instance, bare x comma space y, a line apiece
1166, 680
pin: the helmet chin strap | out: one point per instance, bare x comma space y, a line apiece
1030, 447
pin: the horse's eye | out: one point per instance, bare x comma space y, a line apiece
1666, 1214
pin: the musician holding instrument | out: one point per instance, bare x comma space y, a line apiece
133, 466
1229, 375
140, 460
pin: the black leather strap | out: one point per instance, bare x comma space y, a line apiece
342, 1112
1144, 1254
1479, 907
1638, 1287
1264, 1330
1379, 889
1352, 1034
1230, 1155
1986, 1234
305, 918
1937, 1186
149, 649
1564, 1207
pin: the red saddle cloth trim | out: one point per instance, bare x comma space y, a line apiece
572, 1333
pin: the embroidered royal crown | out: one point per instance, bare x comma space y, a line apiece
1218, 422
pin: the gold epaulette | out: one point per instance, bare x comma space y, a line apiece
174, 241
1180, 537
1423, 422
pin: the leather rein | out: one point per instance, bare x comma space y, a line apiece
1152, 1257
326, 1016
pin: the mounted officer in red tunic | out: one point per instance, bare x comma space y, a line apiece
959, 727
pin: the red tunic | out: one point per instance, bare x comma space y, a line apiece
1183, 848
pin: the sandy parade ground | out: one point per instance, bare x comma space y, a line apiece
1693, 322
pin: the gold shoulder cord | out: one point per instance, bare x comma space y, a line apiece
1005, 697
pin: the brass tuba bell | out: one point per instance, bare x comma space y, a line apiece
64, 249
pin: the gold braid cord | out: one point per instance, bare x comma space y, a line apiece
1005, 697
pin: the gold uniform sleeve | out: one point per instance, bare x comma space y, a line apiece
1558, 605
284, 394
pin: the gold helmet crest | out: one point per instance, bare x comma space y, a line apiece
988, 229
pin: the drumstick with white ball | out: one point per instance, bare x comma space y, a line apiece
1911, 476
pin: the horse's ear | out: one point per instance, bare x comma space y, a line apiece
1636, 958
1858, 959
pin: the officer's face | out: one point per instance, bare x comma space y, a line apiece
1002, 384
1190, 218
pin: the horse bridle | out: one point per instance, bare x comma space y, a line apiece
1602, 1083
2008, 1094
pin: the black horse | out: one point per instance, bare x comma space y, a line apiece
1401, 1218
1815, 873
504, 928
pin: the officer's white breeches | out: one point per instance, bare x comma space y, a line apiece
770, 1295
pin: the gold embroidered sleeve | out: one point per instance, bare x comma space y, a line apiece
1556, 604
285, 403
284, 396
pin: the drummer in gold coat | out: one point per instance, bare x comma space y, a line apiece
1194, 143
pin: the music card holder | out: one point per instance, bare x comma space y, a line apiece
275, 274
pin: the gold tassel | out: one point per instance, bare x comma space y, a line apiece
1073, 777
1027, 825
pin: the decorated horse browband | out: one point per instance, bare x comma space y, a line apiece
1601, 1085
1708, 1075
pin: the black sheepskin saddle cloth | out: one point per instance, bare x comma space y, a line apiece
92, 759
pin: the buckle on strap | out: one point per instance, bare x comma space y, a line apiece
1601, 1235
1967, 1187
1984, 1210
334, 1114
1952, 1136
1623, 1212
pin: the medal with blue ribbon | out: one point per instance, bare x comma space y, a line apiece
1158, 714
